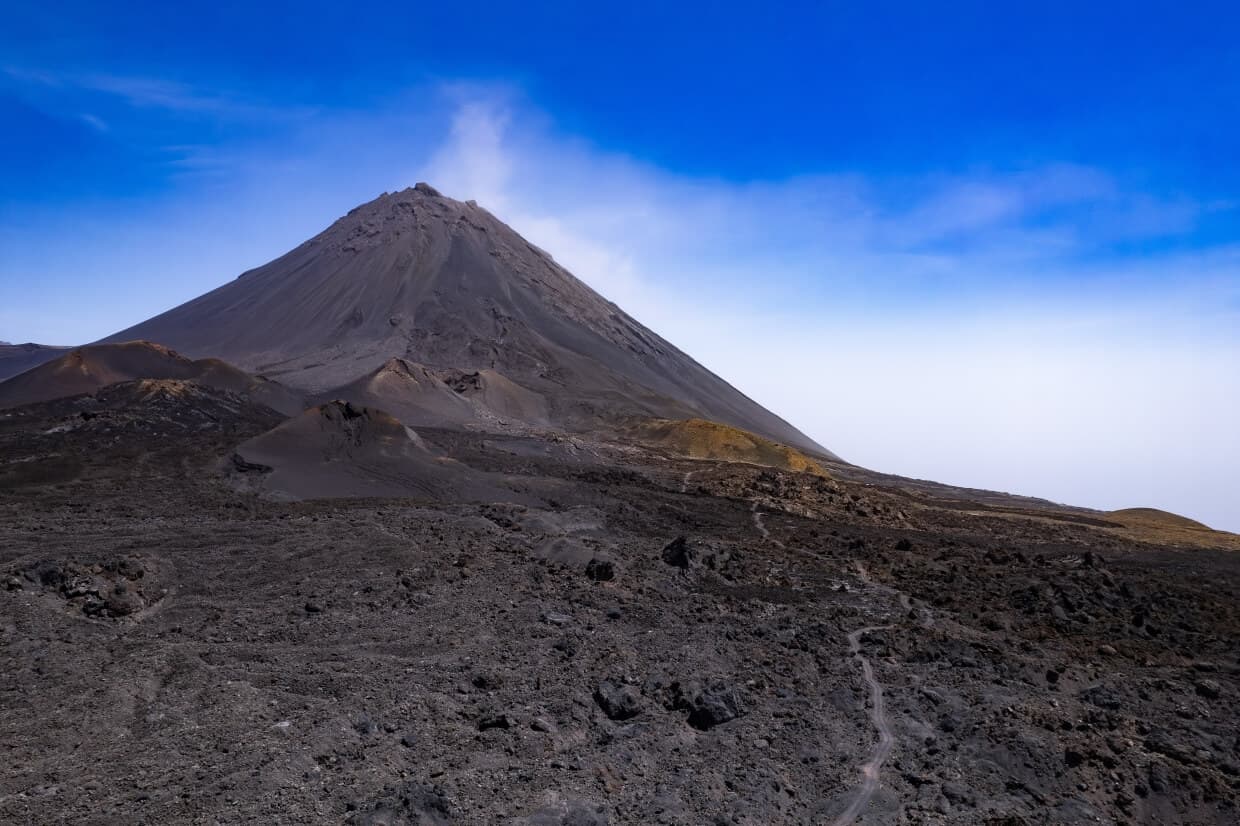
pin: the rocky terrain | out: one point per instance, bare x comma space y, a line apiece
644, 640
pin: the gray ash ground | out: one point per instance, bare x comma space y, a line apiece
577, 662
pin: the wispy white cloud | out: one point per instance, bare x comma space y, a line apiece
146, 93
153, 92
998, 235
476, 153
94, 122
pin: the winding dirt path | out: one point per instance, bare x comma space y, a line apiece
871, 768
761, 526
684, 484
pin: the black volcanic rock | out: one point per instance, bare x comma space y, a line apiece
417, 276
678, 553
618, 700
709, 705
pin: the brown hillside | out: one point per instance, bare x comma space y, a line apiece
1153, 525
91, 368
702, 439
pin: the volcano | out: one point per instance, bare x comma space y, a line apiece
446, 286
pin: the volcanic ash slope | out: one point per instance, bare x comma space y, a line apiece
437, 282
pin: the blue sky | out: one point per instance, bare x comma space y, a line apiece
990, 245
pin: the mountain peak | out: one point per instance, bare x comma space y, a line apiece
410, 216
444, 284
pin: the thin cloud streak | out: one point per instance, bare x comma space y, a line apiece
53, 89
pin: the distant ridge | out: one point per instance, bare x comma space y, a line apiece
91, 368
18, 358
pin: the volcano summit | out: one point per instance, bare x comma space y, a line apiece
445, 285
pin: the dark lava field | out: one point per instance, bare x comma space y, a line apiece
633, 639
